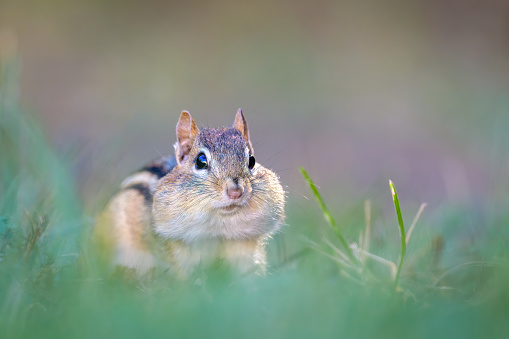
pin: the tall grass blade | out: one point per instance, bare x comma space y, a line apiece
327, 214
367, 218
401, 231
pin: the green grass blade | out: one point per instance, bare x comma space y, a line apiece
327, 214
401, 230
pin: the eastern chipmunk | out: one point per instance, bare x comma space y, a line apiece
211, 201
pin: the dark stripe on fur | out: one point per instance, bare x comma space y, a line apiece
161, 167
143, 189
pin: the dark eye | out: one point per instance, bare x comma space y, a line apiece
252, 162
201, 161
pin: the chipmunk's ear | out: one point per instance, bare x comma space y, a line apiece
240, 125
186, 133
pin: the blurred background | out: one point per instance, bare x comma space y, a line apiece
356, 92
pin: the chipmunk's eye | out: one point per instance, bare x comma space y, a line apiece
252, 162
201, 161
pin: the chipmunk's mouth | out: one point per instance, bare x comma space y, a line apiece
230, 209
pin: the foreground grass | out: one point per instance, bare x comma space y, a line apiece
326, 285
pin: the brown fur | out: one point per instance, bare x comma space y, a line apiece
179, 216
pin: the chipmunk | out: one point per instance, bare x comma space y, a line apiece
211, 201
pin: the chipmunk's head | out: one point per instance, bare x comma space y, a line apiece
218, 161
217, 189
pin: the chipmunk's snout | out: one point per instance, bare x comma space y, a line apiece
234, 190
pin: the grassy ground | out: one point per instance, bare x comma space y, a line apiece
450, 282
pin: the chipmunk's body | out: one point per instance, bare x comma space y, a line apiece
211, 201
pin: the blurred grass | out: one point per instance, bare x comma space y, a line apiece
450, 285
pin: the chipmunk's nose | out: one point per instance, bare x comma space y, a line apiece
234, 191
